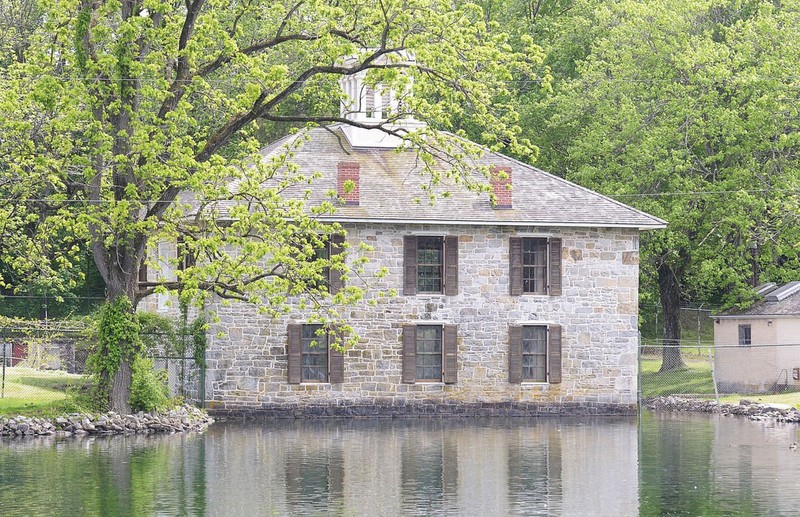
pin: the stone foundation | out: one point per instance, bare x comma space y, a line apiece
432, 409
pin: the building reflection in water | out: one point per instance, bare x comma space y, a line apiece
425, 467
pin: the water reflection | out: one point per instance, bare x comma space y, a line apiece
717, 465
671, 464
424, 467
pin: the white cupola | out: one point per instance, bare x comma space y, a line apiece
372, 106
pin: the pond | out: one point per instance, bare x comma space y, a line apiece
678, 464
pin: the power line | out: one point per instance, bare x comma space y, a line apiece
636, 195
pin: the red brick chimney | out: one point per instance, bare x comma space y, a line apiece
500, 179
348, 171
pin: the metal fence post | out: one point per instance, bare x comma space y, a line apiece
3, 390
201, 391
713, 377
639, 373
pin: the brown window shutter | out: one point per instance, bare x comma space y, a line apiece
515, 265
554, 353
336, 356
143, 271
451, 265
450, 342
410, 354
514, 354
336, 281
554, 268
410, 265
294, 351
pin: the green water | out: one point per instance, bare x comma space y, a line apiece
660, 465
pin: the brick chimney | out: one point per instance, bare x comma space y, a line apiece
348, 171
500, 179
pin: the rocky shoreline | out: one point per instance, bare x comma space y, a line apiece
182, 419
745, 408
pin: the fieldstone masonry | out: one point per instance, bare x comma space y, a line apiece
247, 357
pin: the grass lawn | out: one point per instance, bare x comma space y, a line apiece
696, 379
29, 391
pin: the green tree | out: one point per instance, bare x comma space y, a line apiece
688, 110
128, 120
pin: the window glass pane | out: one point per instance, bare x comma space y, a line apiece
315, 354
534, 265
745, 335
429, 264
429, 353
534, 353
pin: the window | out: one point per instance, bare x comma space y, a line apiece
535, 265
430, 252
310, 356
745, 335
186, 258
534, 354
431, 265
315, 354
430, 353
332, 280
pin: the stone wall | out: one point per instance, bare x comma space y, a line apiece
247, 358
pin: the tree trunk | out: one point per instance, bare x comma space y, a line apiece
121, 388
669, 291
122, 283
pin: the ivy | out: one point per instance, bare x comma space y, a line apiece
118, 339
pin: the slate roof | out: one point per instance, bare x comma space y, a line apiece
392, 190
769, 306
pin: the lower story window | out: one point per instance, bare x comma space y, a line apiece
315, 354
534, 353
429, 353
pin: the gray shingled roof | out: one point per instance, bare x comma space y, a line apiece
769, 306
391, 190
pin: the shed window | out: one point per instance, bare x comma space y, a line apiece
745, 335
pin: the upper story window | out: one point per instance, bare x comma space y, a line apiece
311, 358
535, 265
745, 335
430, 264
534, 353
331, 279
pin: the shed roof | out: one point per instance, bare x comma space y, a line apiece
782, 301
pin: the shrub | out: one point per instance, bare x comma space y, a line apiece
149, 390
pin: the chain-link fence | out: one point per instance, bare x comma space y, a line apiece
45, 361
726, 372
185, 377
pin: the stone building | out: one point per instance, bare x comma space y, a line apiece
527, 305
